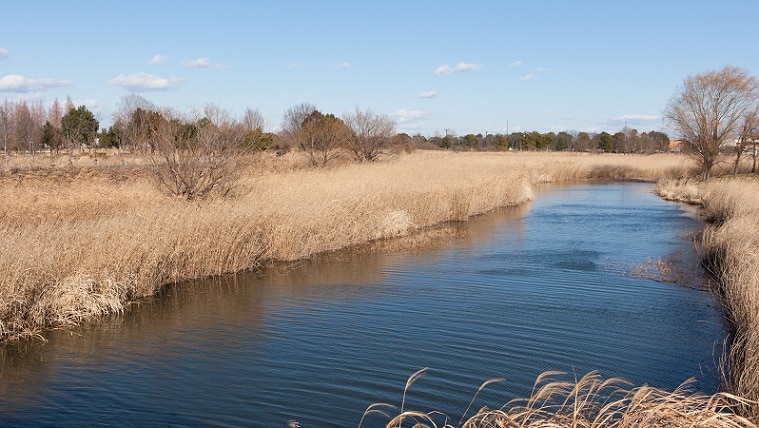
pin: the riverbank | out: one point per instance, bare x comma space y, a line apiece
80, 242
729, 246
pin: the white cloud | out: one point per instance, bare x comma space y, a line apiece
203, 62
535, 74
294, 65
4, 53
197, 63
18, 83
443, 70
516, 64
157, 59
407, 116
427, 94
142, 82
94, 105
460, 68
345, 65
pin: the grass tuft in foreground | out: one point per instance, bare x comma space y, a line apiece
585, 403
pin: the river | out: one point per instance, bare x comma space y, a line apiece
515, 293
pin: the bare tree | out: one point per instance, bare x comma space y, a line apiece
253, 120
199, 157
69, 105
54, 115
293, 119
253, 127
709, 109
371, 133
748, 135
38, 116
134, 113
5, 126
321, 136
23, 127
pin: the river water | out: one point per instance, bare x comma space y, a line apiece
518, 292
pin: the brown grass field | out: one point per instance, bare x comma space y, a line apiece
80, 241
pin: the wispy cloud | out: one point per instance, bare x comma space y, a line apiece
4, 53
92, 104
23, 84
407, 116
203, 62
459, 68
516, 64
157, 59
143, 82
294, 65
346, 65
535, 74
427, 94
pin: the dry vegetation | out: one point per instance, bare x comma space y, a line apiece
729, 247
79, 241
588, 402
83, 241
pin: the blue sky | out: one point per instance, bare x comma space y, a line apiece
468, 66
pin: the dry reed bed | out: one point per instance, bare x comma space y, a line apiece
589, 402
82, 242
729, 246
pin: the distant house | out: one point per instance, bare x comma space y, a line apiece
729, 145
749, 146
676, 146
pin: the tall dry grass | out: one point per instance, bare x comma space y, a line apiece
78, 242
729, 246
588, 402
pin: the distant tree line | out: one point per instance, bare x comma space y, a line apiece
32, 129
715, 112
361, 134
626, 141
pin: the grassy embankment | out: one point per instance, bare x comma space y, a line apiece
82, 242
730, 248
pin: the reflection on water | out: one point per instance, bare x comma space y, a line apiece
508, 295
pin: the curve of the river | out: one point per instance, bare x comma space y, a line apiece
525, 290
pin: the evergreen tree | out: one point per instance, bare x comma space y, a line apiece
80, 126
